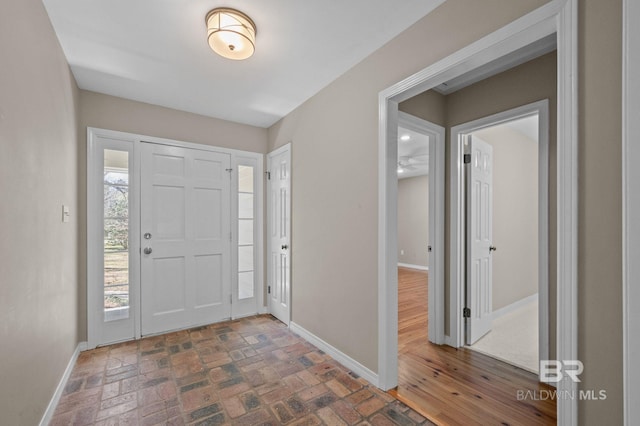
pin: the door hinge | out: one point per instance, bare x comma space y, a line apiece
268, 289
429, 249
229, 170
466, 313
268, 175
467, 159
231, 299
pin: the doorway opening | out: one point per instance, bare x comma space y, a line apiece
507, 234
174, 235
555, 22
424, 367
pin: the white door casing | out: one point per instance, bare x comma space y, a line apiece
631, 209
436, 290
459, 134
279, 229
479, 239
186, 237
556, 16
102, 330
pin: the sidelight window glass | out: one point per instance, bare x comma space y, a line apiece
116, 234
246, 221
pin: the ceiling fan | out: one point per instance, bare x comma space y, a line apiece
412, 163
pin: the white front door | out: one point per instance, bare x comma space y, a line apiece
185, 237
279, 221
479, 239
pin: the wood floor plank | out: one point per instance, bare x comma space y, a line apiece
458, 386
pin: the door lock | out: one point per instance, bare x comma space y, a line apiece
147, 236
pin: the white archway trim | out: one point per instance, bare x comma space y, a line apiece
557, 16
631, 209
436, 221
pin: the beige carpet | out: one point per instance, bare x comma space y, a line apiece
514, 338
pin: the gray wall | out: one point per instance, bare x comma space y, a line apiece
600, 207
329, 131
38, 174
413, 220
515, 214
340, 210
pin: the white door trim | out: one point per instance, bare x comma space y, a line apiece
631, 208
436, 222
456, 302
96, 141
94, 237
557, 16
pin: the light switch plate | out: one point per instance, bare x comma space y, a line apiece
65, 214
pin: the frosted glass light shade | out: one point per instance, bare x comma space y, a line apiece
231, 33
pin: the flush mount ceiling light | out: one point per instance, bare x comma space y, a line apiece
231, 33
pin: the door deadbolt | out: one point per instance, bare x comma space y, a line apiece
147, 236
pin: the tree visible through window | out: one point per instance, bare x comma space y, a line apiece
116, 235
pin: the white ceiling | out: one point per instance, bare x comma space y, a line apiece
155, 51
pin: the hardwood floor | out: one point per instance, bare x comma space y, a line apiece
458, 386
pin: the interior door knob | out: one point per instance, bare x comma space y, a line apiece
147, 250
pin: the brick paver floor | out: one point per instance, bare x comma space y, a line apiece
251, 371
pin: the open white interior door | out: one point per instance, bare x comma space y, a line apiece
186, 238
479, 239
279, 220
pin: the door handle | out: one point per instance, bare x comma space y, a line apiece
285, 247
147, 250
492, 248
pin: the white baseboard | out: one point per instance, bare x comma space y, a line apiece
409, 265
51, 408
336, 354
514, 306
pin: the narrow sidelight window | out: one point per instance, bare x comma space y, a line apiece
246, 222
116, 234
